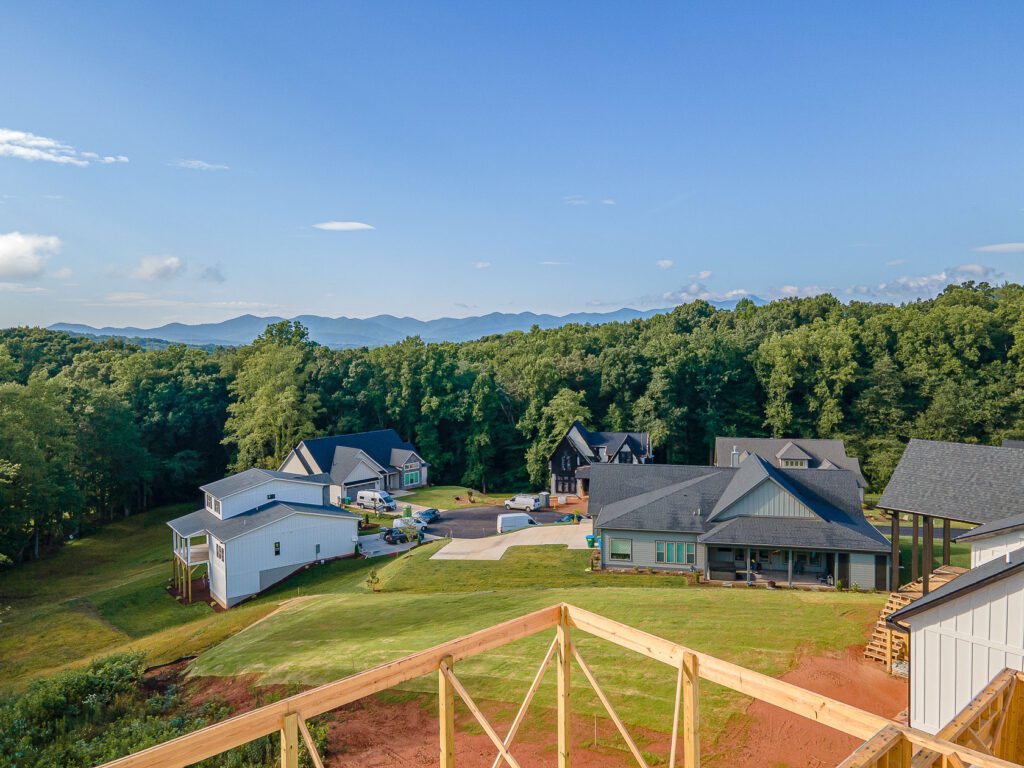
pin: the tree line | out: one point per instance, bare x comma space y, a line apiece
91, 430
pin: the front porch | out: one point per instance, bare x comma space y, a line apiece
790, 567
190, 565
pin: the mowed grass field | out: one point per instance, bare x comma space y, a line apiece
444, 497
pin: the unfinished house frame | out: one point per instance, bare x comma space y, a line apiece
987, 734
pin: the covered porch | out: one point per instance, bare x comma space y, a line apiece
191, 557
792, 567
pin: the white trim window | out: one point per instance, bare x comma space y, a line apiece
620, 549
675, 552
411, 477
794, 463
218, 550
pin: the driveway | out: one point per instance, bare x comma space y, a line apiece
478, 522
494, 547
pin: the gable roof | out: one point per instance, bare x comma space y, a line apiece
347, 459
612, 442
203, 521
250, 478
976, 578
1005, 525
685, 499
819, 453
958, 481
378, 445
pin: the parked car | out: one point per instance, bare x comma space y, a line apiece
514, 521
428, 516
410, 522
569, 519
394, 536
376, 500
524, 502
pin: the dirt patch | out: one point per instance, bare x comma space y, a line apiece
773, 737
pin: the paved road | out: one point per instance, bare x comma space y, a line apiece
494, 547
478, 522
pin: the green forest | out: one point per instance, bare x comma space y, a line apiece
91, 430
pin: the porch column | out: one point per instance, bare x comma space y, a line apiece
894, 580
929, 544
789, 566
748, 565
835, 569
914, 571
946, 537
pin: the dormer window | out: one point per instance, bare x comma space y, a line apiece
794, 463
602, 453
213, 503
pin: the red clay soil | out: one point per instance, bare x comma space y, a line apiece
377, 733
772, 737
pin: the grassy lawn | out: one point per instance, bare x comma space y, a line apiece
443, 497
959, 555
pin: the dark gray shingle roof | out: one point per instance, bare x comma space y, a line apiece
345, 460
820, 451
976, 578
991, 529
378, 445
250, 478
638, 442
973, 483
806, 533
195, 523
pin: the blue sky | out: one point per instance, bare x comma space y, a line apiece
170, 161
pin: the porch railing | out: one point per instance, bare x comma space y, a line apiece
886, 739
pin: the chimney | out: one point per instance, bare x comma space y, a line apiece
734, 457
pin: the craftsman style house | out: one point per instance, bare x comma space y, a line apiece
255, 529
788, 453
754, 522
580, 448
362, 461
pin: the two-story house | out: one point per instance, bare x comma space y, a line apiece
580, 448
789, 453
257, 528
362, 461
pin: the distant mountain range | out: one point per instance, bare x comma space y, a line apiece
341, 332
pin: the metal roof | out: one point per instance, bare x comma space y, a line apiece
250, 478
958, 481
976, 578
196, 523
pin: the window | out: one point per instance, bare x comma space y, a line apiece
277, 548
209, 501
271, 496
621, 549
219, 551
411, 478
625, 457
681, 552
798, 463
318, 550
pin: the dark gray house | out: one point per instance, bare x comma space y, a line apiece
580, 448
752, 522
378, 460
788, 453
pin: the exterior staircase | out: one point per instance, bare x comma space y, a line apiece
892, 647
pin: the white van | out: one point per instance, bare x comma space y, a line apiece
514, 521
376, 500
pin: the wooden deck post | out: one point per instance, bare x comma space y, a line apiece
290, 741
564, 703
929, 553
894, 532
748, 565
789, 566
691, 711
946, 538
446, 714
914, 560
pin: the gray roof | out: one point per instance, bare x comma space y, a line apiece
401, 456
250, 478
345, 460
1013, 444
378, 445
991, 529
680, 498
612, 442
976, 578
820, 453
973, 483
196, 523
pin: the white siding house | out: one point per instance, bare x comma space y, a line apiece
257, 528
994, 539
961, 636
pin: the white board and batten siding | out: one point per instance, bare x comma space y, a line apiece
251, 498
251, 565
957, 647
766, 500
993, 547
217, 572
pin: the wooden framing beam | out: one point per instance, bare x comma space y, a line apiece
691, 710
675, 717
915, 571
947, 538
478, 715
525, 706
446, 714
307, 737
290, 741
564, 687
603, 698
894, 533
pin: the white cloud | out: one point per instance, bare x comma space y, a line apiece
583, 200
64, 273
554, 263
697, 290
704, 274
665, 263
343, 226
609, 201
917, 286
158, 268
20, 288
1001, 248
481, 264
28, 146
896, 263
25, 255
213, 274
200, 165
138, 299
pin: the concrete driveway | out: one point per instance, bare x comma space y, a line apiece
478, 522
494, 547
